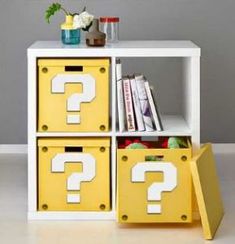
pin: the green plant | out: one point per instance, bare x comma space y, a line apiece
82, 20
52, 9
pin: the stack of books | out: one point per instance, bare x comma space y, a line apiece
137, 109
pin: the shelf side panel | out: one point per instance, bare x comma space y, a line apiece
32, 142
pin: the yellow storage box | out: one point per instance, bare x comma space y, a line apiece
74, 174
73, 95
154, 191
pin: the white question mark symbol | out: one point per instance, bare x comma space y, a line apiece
74, 101
154, 191
75, 179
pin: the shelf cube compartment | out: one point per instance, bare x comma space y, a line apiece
154, 185
74, 174
171, 81
73, 95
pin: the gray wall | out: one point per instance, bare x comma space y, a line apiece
209, 23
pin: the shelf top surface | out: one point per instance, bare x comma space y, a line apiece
122, 48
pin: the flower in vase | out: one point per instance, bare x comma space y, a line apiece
82, 20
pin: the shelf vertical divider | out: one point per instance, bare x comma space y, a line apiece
113, 145
32, 127
191, 103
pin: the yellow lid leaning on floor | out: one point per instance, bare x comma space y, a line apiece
205, 180
84, 142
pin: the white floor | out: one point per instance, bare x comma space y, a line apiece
14, 227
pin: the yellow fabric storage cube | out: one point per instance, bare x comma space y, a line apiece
154, 191
74, 174
73, 95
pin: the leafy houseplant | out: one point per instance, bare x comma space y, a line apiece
73, 24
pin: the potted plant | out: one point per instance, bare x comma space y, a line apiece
74, 22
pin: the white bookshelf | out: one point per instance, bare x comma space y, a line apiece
185, 124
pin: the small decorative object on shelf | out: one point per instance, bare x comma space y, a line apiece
74, 22
110, 26
69, 35
95, 37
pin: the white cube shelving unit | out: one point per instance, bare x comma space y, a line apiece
187, 124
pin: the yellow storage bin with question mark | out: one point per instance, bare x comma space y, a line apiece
74, 174
73, 95
158, 191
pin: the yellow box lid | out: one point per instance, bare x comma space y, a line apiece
92, 62
83, 142
206, 184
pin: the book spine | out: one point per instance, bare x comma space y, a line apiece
157, 110
156, 117
118, 70
137, 108
128, 105
121, 108
145, 107
120, 99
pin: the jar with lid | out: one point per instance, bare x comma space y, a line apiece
110, 26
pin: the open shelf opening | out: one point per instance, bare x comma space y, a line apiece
171, 95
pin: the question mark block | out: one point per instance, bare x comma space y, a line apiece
154, 191
73, 95
73, 174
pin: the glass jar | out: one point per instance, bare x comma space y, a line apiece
110, 26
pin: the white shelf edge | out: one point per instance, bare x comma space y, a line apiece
152, 134
72, 215
74, 134
142, 48
173, 125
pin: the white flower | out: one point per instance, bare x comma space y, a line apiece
82, 20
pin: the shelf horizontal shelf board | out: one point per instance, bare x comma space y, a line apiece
73, 134
73, 215
174, 125
120, 49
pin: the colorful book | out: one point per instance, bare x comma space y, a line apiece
128, 104
154, 110
121, 106
145, 107
136, 105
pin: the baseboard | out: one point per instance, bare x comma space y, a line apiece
223, 148
13, 148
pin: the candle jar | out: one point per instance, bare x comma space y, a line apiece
110, 26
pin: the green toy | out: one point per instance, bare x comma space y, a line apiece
176, 142
136, 145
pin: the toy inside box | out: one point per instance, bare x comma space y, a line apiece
155, 184
71, 92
